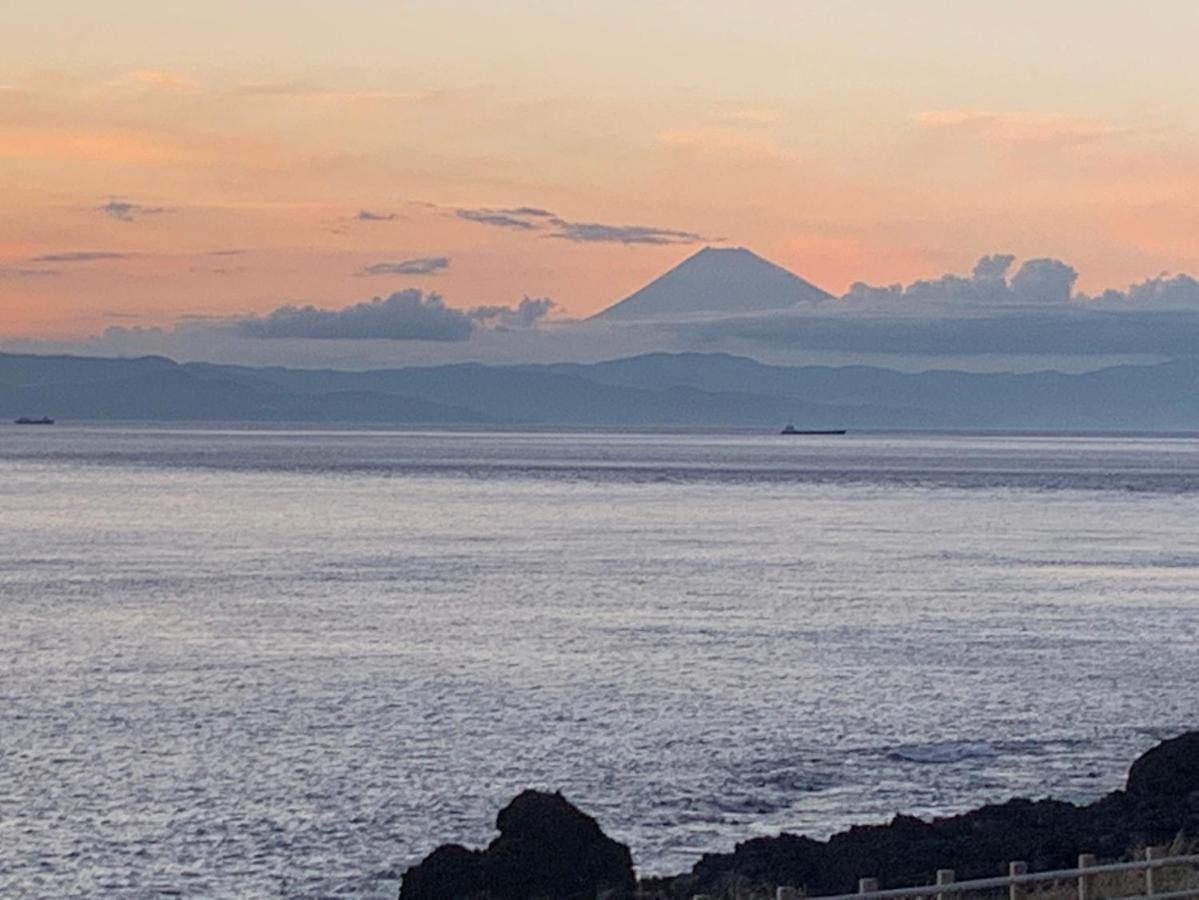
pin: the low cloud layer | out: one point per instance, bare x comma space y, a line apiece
527, 313
427, 265
1002, 313
1031, 311
1161, 292
1036, 282
124, 211
403, 316
1070, 332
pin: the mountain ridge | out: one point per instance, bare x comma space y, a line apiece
649, 390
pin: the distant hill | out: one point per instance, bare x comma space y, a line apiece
657, 390
159, 389
716, 280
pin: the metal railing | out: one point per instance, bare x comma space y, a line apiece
1019, 878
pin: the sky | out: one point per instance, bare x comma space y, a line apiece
167, 162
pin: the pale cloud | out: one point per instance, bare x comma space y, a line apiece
721, 140
1017, 128
162, 80
93, 145
318, 95
755, 116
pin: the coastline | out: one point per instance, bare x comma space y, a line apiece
549, 848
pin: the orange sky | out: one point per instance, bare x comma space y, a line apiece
846, 142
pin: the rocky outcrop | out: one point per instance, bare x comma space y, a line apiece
546, 848
1168, 771
1161, 801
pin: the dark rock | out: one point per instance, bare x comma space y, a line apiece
1159, 804
1169, 771
546, 848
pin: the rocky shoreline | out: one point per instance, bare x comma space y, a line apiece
549, 848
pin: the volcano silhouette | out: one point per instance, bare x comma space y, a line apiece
716, 281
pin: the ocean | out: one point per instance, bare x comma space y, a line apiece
289, 662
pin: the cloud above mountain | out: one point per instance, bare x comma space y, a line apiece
523, 218
595, 232
425, 265
535, 219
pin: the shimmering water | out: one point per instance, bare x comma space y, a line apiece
286, 663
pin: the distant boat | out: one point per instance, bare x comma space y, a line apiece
791, 429
44, 420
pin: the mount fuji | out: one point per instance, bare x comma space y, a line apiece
716, 281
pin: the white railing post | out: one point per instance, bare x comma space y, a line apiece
1151, 879
944, 877
1085, 861
1015, 870
867, 885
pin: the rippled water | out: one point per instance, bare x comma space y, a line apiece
285, 663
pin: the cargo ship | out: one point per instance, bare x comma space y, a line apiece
791, 429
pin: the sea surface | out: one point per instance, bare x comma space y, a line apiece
289, 663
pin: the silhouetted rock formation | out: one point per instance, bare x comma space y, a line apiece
546, 848
1171, 769
1161, 802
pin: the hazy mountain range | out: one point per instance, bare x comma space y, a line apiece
655, 390
714, 299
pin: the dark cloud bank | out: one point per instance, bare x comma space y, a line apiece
408, 315
1032, 311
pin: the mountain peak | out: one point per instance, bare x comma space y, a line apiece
713, 281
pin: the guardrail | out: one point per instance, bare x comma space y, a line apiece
1019, 878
